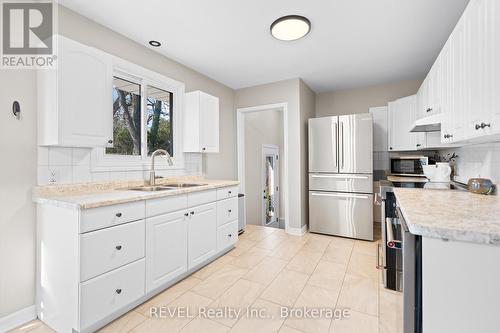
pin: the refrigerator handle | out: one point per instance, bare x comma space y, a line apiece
341, 145
334, 139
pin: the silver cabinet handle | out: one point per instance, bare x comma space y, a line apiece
379, 266
340, 176
356, 196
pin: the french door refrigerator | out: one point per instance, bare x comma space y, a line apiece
341, 176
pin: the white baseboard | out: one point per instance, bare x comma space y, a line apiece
17, 318
297, 231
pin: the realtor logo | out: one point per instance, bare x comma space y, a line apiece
27, 30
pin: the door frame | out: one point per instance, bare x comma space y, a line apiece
240, 141
263, 180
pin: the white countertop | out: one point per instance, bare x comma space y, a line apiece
94, 195
449, 214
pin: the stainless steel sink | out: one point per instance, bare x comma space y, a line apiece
182, 185
151, 188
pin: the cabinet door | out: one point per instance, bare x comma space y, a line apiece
84, 95
202, 233
209, 123
166, 248
380, 135
494, 41
402, 115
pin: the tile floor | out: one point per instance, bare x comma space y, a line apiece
269, 269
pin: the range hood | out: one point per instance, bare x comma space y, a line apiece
428, 124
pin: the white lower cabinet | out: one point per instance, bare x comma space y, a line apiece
166, 248
93, 265
103, 295
202, 237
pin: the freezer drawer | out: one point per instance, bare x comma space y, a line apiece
341, 182
341, 214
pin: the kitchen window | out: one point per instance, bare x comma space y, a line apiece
146, 117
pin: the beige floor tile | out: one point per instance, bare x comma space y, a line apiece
241, 247
342, 242
363, 265
31, 325
253, 324
239, 297
304, 262
260, 233
42, 329
272, 241
339, 254
316, 243
390, 311
265, 272
288, 329
328, 275
365, 247
168, 295
313, 298
217, 283
204, 325
286, 288
287, 250
124, 324
359, 294
357, 323
250, 258
213, 267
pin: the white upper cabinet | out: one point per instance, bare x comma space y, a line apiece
201, 123
74, 100
402, 114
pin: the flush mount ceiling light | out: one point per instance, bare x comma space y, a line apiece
154, 43
290, 27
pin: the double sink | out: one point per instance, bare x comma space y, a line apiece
164, 187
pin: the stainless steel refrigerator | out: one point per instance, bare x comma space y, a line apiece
341, 176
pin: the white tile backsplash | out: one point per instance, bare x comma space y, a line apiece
476, 161
73, 165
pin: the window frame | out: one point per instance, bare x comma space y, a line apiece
100, 161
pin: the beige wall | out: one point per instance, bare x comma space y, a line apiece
359, 100
222, 165
17, 178
263, 127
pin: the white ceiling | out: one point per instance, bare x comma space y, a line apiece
352, 43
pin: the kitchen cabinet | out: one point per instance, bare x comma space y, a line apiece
166, 248
201, 123
401, 116
94, 265
74, 100
380, 130
202, 231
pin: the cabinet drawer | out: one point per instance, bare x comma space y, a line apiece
227, 235
166, 205
109, 292
104, 250
102, 217
227, 192
200, 198
227, 211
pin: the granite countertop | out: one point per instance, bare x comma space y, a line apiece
94, 195
452, 215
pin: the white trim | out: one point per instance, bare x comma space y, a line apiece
17, 318
99, 161
296, 231
240, 135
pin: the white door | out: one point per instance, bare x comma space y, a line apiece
202, 233
209, 123
270, 186
166, 248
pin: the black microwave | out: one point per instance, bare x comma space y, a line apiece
408, 165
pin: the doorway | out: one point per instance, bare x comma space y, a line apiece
270, 186
262, 141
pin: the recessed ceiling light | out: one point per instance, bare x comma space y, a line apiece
290, 27
154, 43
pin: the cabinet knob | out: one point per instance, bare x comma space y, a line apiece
230, 235
186, 214
229, 192
203, 148
118, 247
428, 110
118, 291
478, 126
229, 210
390, 148
419, 145
192, 213
110, 141
118, 214
483, 125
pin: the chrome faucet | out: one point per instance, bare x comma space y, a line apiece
152, 174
